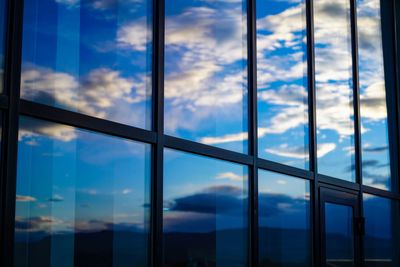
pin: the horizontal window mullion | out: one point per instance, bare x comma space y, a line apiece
85, 122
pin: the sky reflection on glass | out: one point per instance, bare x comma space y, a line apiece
379, 240
205, 211
78, 194
2, 40
93, 57
206, 72
334, 89
282, 82
373, 108
284, 220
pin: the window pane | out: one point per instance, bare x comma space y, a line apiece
3, 10
339, 236
282, 82
381, 223
81, 196
375, 140
334, 89
284, 220
92, 57
206, 72
205, 211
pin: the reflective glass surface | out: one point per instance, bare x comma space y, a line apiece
282, 82
339, 236
205, 211
82, 198
206, 72
381, 230
284, 220
334, 89
373, 108
3, 9
93, 57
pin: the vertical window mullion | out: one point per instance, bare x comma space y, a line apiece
356, 92
158, 126
312, 130
357, 117
9, 166
253, 136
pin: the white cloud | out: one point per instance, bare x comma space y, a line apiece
285, 150
281, 182
135, 35
126, 191
102, 93
56, 198
325, 148
21, 198
68, 2
57, 131
230, 176
224, 139
373, 102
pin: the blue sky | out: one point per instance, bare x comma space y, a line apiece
106, 73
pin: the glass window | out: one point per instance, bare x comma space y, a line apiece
92, 57
3, 20
284, 220
381, 232
81, 196
282, 82
334, 89
339, 236
373, 109
205, 211
206, 72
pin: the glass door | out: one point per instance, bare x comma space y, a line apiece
339, 225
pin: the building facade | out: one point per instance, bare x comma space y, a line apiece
199, 133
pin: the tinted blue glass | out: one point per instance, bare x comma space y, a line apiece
206, 72
88, 56
82, 198
334, 89
284, 220
205, 211
373, 107
339, 236
282, 82
381, 232
2, 39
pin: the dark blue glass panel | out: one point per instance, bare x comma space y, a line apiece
206, 72
92, 57
3, 10
334, 89
82, 198
284, 220
381, 231
205, 211
339, 235
373, 107
282, 82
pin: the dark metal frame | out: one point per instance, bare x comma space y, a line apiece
12, 107
346, 198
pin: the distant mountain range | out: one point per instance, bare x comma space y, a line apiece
225, 248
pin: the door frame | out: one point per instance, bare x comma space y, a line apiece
342, 197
